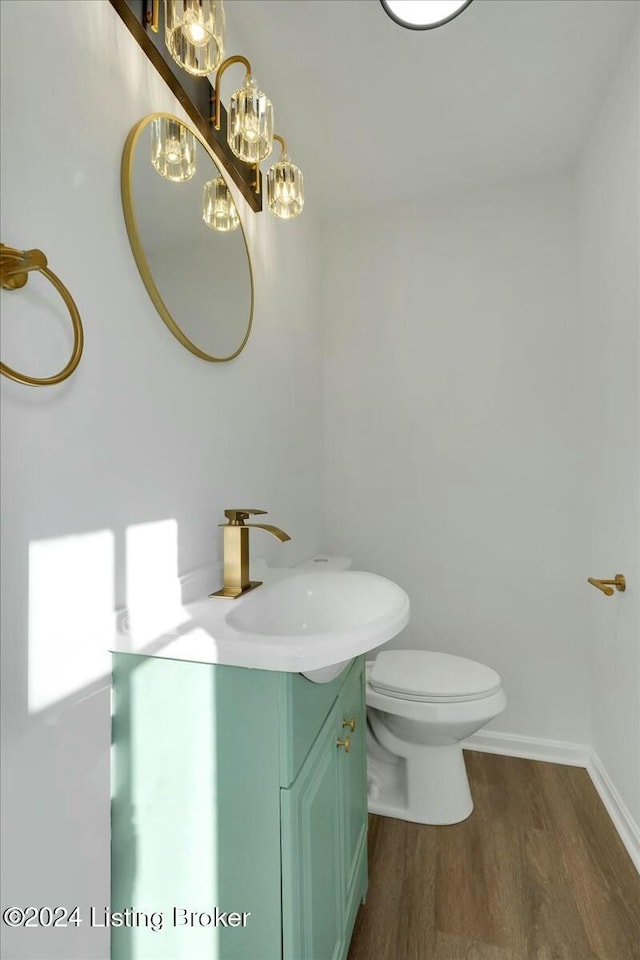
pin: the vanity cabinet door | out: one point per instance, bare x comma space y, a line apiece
312, 885
352, 779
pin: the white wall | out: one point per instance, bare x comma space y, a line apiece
143, 433
483, 432
609, 209
454, 424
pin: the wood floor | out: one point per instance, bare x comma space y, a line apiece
536, 873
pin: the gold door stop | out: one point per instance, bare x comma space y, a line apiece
618, 582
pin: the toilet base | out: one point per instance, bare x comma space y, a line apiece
429, 785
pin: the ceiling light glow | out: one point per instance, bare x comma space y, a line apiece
423, 14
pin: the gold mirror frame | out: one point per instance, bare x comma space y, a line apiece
126, 175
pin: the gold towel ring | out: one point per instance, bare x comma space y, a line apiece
14, 273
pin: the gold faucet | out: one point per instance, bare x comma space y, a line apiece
236, 552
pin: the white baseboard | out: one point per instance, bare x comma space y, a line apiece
572, 755
628, 829
530, 748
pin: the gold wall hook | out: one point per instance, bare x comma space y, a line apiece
15, 266
618, 582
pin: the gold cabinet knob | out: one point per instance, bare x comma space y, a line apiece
346, 743
351, 723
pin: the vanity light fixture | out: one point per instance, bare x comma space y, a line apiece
285, 186
173, 150
423, 14
250, 119
194, 34
218, 209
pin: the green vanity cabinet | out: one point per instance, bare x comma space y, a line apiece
238, 823
324, 834
353, 789
311, 854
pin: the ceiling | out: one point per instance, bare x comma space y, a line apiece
372, 111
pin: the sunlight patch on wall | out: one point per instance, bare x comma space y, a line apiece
154, 596
71, 604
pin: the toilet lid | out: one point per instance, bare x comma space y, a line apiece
423, 675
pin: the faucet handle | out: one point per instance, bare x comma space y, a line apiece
237, 517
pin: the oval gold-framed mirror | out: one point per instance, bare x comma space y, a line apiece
187, 237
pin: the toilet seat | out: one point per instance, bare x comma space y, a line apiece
428, 677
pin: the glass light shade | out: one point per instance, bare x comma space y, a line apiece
250, 123
218, 209
194, 34
173, 149
423, 14
285, 189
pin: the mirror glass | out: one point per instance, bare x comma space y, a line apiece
198, 277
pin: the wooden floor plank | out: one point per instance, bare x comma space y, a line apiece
448, 947
597, 867
537, 872
405, 885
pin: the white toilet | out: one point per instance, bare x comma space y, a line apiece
420, 705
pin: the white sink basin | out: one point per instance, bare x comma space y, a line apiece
308, 604
304, 622
327, 615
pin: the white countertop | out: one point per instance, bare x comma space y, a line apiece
310, 622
